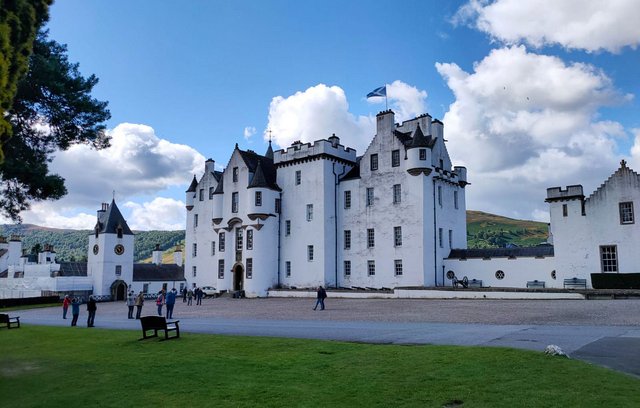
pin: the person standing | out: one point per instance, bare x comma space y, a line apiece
160, 302
189, 297
321, 295
170, 302
65, 306
91, 308
75, 310
131, 301
184, 294
199, 294
139, 302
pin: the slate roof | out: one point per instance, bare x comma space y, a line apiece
269, 153
111, 219
3, 251
252, 159
4, 274
531, 252
193, 185
73, 269
220, 187
419, 139
404, 137
152, 272
354, 173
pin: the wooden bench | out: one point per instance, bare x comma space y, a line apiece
536, 284
10, 322
156, 323
575, 283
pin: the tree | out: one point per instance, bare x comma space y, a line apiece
19, 23
53, 110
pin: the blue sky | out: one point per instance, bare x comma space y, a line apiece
531, 96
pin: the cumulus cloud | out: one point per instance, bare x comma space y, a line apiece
137, 163
248, 132
322, 110
160, 214
522, 122
590, 25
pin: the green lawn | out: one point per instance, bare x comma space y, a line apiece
64, 366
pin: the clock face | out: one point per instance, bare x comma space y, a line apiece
96, 248
119, 249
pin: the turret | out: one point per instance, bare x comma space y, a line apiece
260, 195
461, 172
419, 154
191, 193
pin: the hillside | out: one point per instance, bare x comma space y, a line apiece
71, 245
486, 230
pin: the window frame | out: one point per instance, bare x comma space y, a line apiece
310, 253
346, 268
221, 243
347, 199
309, 212
397, 236
249, 239
373, 162
235, 202
369, 197
371, 267
347, 239
287, 228
397, 267
221, 269
234, 177
397, 193
371, 237
395, 158
628, 211
610, 264
258, 198
249, 268
298, 177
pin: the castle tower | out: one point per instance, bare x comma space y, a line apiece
110, 253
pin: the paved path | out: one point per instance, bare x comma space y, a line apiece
605, 332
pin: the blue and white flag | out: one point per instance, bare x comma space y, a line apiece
382, 91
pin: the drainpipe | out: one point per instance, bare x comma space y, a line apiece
279, 227
335, 216
435, 238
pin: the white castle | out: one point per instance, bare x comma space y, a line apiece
318, 214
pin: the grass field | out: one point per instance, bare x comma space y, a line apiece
63, 366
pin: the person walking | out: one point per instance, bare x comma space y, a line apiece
189, 297
170, 302
321, 295
139, 302
131, 301
199, 294
184, 295
160, 302
91, 308
65, 305
75, 310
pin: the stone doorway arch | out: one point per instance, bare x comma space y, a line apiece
119, 290
238, 277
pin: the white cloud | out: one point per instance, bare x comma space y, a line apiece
137, 163
407, 101
591, 25
523, 122
160, 214
51, 214
248, 132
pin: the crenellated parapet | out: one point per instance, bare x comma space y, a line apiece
570, 193
300, 152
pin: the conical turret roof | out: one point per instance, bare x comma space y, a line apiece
110, 220
419, 139
193, 185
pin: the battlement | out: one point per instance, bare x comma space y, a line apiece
570, 193
322, 147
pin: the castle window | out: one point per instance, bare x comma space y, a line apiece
440, 196
249, 268
221, 242
201, 194
213, 248
239, 239
287, 268
347, 268
249, 239
235, 174
194, 251
234, 202
298, 177
455, 200
397, 193
347, 239
565, 210
211, 190
397, 236
374, 161
440, 237
626, 212
395, 158
287, 227
309, 212
347, 199
309, 252
258, 198
119, 231
118, 270
195, 220
371, 267
450, 239
441, 164
278, 205
609, 258
423, 154
371, 238
194, 271
398, 267
220, 269
369, 196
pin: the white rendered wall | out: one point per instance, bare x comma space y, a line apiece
516, 271
102, 266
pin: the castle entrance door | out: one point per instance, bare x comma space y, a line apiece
118, 290
238, 281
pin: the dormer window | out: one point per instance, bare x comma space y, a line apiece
235, 174
119, 231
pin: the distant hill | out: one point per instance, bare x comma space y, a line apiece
71, 245
486, 230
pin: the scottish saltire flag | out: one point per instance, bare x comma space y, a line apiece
382, 91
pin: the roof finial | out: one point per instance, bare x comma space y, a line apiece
623, 163
114, 195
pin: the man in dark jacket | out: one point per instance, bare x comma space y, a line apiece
170, 302
91, 308
322, 295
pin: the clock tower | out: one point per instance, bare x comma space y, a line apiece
110, 253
